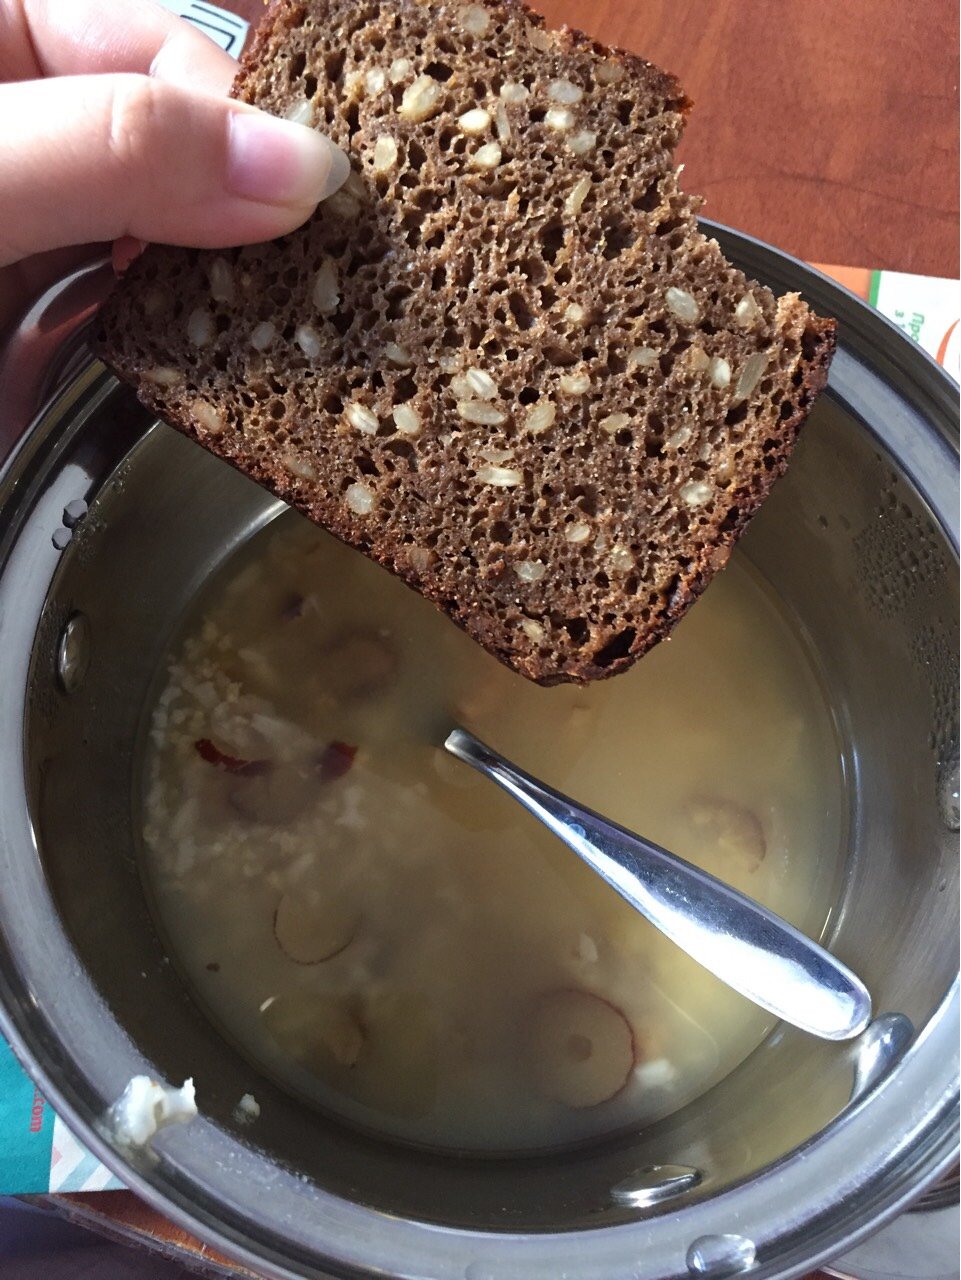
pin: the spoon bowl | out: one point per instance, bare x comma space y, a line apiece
739, 941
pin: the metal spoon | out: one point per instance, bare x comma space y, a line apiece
742, 943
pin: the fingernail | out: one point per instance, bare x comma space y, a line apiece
125, 251
278, 162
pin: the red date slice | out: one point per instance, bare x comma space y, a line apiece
276, 797
580, 1047
276, 793
292, 607
312, 927
335, 760
208, 750
357, 665
727, 831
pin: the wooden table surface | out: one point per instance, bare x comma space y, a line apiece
827, 127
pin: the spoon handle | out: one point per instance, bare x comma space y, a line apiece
742, 943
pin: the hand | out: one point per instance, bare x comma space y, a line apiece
114, 122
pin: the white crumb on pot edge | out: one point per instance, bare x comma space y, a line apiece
247, 1109
144, 1108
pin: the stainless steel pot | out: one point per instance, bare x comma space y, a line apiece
109, 524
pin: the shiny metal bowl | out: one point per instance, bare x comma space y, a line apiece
111, 524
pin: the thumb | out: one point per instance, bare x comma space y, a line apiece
93, 158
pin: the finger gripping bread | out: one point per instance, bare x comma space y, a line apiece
503, 361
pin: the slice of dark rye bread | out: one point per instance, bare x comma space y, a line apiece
503, 361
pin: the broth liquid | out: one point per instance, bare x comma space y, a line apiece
388, 934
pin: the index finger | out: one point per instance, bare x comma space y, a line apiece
49, 38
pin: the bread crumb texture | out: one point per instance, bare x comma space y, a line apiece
502, 360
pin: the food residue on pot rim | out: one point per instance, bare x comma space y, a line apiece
144, 1108
247, 1109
